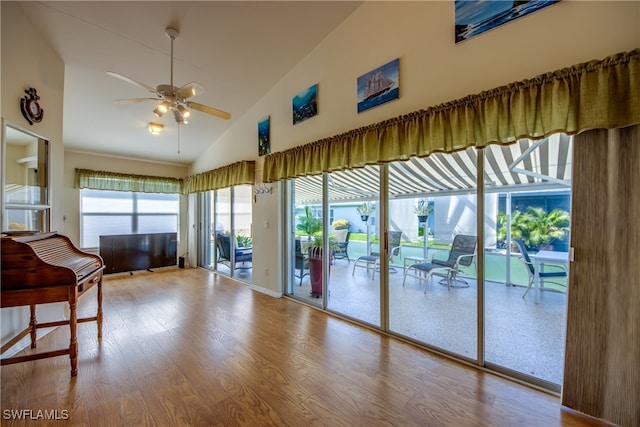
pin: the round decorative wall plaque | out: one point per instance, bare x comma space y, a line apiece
30, 107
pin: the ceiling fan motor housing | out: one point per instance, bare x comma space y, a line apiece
172, 33
167, 91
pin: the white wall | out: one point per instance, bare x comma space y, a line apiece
29, 61
433, 70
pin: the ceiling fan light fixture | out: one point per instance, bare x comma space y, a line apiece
162, 108
179, 117
184, 111
155, 128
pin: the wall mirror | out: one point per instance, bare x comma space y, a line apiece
25, 181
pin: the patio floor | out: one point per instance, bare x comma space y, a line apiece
519, 334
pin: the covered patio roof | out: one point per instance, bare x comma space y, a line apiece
524, 165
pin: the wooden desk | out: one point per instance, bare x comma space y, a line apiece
45, 268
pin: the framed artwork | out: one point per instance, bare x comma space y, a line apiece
305, 104
475, 17
264, 143
379, 86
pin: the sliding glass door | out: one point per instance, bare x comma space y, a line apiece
356, 244
432, 291
333, 260
304, 239
222, 230
241, 242
527, 237
226, 231
419, 250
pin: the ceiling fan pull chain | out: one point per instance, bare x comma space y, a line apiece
178, 139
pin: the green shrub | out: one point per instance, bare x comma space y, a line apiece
534, 227
340, 224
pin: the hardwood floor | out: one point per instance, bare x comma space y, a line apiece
186, 347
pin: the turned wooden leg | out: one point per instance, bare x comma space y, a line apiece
73, 322
99, 317
33, 324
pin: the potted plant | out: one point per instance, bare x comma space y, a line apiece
312, 227
423, 210
365, 210
243, 241
314, 254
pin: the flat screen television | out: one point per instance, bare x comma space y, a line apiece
131, 252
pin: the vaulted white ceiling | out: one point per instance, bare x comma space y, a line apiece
237, 50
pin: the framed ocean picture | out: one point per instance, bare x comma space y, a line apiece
474, 17
305, 104
264, 143
379, 86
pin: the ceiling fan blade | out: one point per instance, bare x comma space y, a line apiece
190, 89
130, 80
133, 100
209, 110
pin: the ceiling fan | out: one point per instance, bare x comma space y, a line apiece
172, 98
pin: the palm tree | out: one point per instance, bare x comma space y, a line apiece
308, 223
519, 227
535, 227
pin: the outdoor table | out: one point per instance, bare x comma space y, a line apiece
539, 259
414, 260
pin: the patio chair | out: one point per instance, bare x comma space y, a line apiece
342, 240
560, 270
242, 255
462, 253
301, 262
372, 261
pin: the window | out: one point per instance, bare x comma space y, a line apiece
121, 212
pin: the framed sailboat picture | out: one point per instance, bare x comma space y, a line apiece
305, 104
264, 143
379, 86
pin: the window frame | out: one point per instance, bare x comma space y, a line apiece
134, 213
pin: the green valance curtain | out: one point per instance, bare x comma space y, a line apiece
234, 174
596, 94
100, 180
